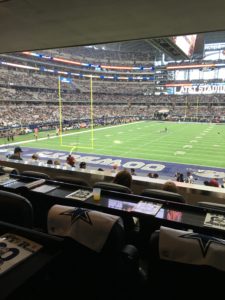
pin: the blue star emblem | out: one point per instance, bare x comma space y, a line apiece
204, 241
78, 213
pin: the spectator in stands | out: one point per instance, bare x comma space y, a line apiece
170, 186
57, 162
180, 177
49, 162
17, 154
115, 168
150, 175
124, 178
189, 178
83, 165
35, 156
214, 182
71, 160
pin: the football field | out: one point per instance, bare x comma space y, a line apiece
186, 143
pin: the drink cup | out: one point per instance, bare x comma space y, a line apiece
96, 194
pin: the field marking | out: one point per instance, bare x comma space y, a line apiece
187, 160
152, 160
67, 134
179, 153
152, 141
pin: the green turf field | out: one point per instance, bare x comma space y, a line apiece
191, 143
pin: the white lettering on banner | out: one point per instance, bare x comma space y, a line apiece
63, 156
208, 89
217, 46
109, 162
183, 90
153, 167
201, 89
105, 161
76, 156
134, 164
89, 159
46, 154
57, 155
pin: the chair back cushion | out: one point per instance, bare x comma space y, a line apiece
15, 209
191, 248
110, 186
35, 174
164, 195
72, 180
89, 228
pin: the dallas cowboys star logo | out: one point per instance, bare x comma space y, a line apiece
204, 241
76, 214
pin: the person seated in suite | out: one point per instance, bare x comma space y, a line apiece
124, 178
170, 186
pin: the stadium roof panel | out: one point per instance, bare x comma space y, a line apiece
43, 24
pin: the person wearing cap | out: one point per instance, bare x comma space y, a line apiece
17, 153
71, 160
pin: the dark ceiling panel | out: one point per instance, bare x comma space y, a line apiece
32, 24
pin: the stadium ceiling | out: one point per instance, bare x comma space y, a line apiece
43, 24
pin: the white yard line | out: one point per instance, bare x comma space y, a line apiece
67, 134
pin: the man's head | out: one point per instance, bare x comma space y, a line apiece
17, 150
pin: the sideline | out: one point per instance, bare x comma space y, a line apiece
67, 134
